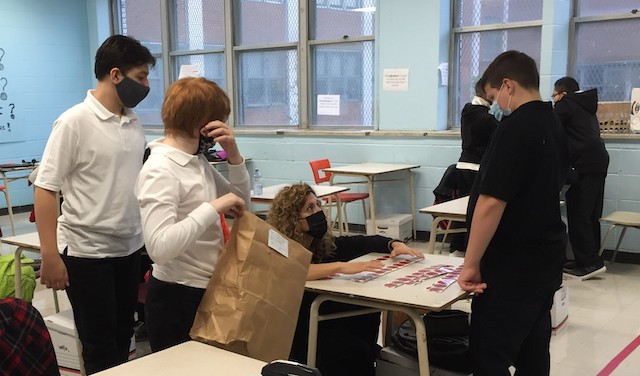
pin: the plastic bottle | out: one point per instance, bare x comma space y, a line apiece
257, 183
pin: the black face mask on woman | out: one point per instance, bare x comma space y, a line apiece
131, 92
317, 224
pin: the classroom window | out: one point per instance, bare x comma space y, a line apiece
341, 50
603, 54
482, 30
140, 19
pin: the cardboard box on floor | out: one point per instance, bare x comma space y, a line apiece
67, 346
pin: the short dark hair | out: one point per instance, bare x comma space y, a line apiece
514, 65
480, 88
123, 52
566, 85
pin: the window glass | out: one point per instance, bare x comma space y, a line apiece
606, 61
268, 87
140, 19
260, 23
601, 8
342, 19
198, 24
487, 12
477, 50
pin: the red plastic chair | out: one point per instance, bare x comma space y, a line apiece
320, 176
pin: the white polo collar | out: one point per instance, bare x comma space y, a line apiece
178, 156
102, 112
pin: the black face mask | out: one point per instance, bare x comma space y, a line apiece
205, 144
131, 92
317, 224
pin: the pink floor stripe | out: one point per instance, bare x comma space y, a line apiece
615, 362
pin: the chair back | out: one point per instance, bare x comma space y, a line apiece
317, 167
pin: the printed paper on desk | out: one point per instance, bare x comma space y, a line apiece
189, 70
248, 308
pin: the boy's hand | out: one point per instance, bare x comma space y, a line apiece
223, 134
54, 273
363, 266
471, 280
229, 204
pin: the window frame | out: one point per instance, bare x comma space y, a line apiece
232, 52
453, 116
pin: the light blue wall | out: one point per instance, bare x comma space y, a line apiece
413, 35
47, 66
51, 50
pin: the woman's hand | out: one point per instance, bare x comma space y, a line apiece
229, 204
399, 248
363, 266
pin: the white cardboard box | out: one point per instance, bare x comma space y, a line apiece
62, 330
634, 119
560, 308
396, 226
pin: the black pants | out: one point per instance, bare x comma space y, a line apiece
584, 209
510, 328
103, 294
170, 310
466, 179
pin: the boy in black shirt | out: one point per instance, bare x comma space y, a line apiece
588, 156
517, 239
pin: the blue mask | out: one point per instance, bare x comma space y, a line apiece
495, 109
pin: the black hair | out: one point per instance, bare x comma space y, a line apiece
514, 65
480, 88
123, 52
566, 85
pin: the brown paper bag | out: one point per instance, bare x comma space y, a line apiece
252, 301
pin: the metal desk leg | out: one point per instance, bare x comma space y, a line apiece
18, 278
413, 205
372, 206
432, 236
9, 207
338, 208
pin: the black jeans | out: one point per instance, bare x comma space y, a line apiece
510, 328
584, 209
103, 294
170, 310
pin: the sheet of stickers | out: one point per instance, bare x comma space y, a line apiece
448, 274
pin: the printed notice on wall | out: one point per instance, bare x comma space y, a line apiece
444, 74
189, 70
395, 80
329, 105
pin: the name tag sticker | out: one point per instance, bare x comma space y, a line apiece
278, 243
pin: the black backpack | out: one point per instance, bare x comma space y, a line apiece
447, 340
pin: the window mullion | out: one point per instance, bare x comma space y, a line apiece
303, 64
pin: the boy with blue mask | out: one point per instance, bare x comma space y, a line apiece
517, 239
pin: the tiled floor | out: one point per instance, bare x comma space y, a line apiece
604, 317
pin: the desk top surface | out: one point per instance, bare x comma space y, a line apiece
416, 296
30, 240
453, 207
190, 358
371, 168
270, 192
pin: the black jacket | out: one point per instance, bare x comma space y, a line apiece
477, 126
577, 112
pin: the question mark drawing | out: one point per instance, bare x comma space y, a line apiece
3, 95
12, 107
1, 56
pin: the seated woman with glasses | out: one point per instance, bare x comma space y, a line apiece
346, 346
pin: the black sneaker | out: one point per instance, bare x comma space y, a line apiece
587, 272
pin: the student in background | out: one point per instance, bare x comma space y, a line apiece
182, 198
92, 250
517, 239
589, 158
345, 346
477, 127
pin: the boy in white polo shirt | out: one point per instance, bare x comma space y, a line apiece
93, 155
181, 198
